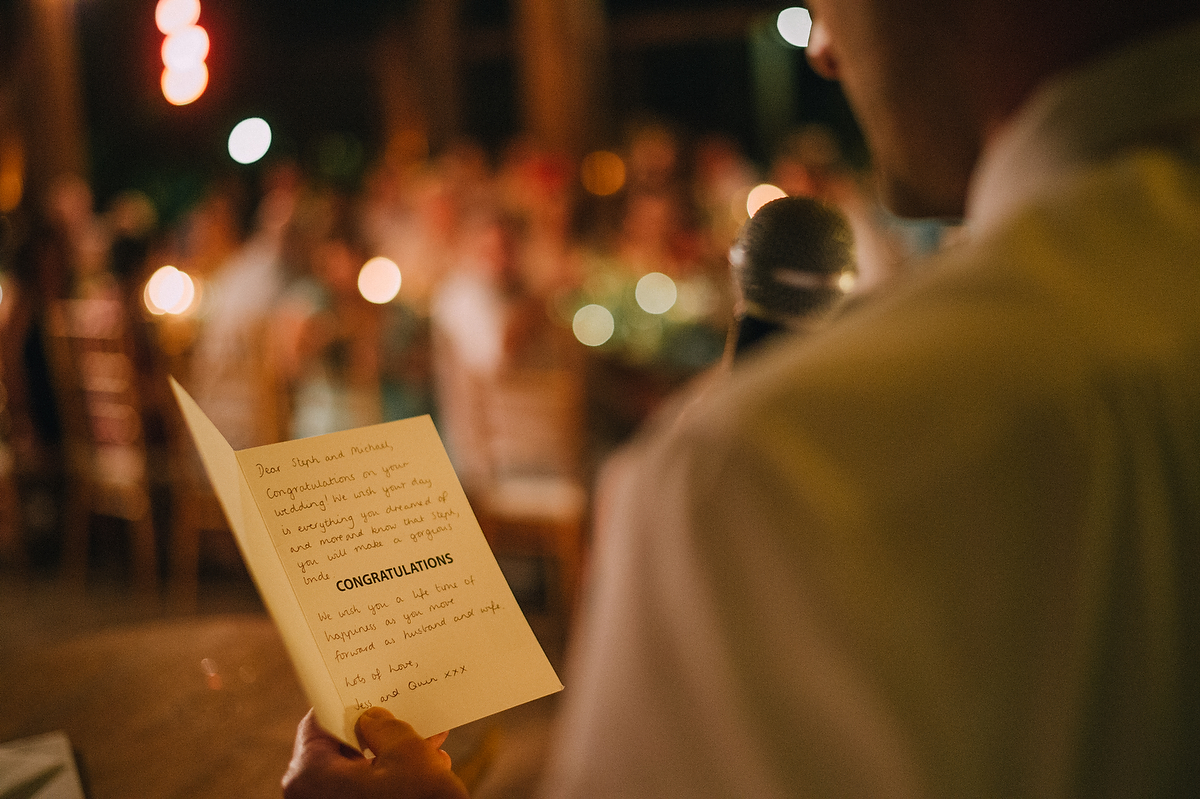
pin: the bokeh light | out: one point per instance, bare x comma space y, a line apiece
379, 280
169, 291
847, 281
174, 15
655, 293
794, 25
762, 194
182, 86
602, 173
697, 299
593, 325
249, 140
212, 673
186, 48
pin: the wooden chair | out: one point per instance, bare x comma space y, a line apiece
12, 535
195, 512
103, 434
199, 529
30, 462
535, 499
12, 528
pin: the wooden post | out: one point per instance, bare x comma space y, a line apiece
562, 67
436, 48
52, 103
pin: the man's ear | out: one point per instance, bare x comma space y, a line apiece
820, 52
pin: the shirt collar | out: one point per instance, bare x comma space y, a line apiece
1149, 89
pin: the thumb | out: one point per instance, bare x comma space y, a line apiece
381, 732
393, 740
412, 765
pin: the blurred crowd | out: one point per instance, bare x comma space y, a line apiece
500, 257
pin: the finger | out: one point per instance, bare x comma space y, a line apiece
381, 732
311, 736
441, 756
396, 742
414, 766
319, 762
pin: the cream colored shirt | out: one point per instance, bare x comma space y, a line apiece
949, 546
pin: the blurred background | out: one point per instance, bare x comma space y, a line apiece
315, 215
344, 84
514, 216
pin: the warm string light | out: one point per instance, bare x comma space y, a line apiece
602, 173
379, 280
169, 291
174, 15
184, 50
183, 86
762, 194
593, 325
655, 293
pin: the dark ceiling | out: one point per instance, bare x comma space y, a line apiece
303, 64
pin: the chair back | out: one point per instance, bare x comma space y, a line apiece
535, 500
98, 391
12, 527
101, 408
534, 424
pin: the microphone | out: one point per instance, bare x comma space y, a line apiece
786, 264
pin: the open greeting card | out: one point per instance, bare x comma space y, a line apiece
373, 566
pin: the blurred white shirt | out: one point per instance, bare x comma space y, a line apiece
947, 546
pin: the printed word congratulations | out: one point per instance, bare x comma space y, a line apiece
370, 578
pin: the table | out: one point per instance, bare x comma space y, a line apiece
192, 707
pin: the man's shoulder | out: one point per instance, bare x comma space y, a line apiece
1034, 313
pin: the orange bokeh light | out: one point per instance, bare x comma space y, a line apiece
169, 291
379, 280
186, 48
183, 86
602, 173
174, 15
762, 194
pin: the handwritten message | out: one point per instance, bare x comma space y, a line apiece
374, 567
385, 557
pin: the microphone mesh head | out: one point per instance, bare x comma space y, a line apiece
788, 257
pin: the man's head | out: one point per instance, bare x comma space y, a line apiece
932, 81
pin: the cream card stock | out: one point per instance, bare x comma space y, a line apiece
377, 574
